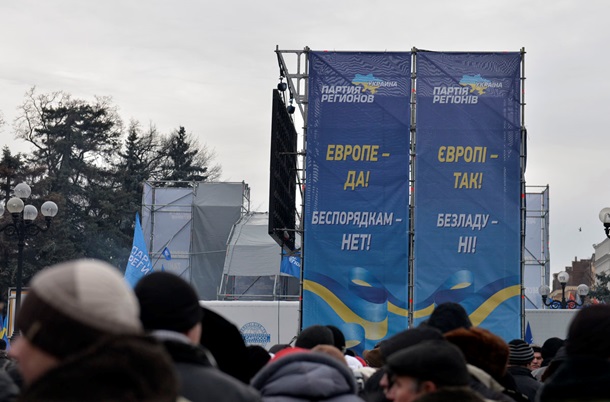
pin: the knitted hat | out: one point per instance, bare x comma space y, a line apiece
167, 302
314, 335
407, 338
449, 316
72, 305
438, 361
520, 353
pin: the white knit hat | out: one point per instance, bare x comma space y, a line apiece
73, 304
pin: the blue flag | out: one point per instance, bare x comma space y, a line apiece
166, 254
4, 332
139, 263
528, 334
291, 265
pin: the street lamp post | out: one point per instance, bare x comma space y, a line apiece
604, 216
21, 226
563, 278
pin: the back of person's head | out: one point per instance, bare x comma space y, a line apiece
520, 353
2, 344
223, 339
482, 349
72, 305
331, 351
557, 361
549, 349
313, 336
407, 338
338, 337
374, 358
589, 332
438, 361
449, 316
258, 357
167, 302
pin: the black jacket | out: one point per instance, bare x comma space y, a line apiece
526, 383
201, 381
578, 379
8, 389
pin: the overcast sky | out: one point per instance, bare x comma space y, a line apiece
211, 66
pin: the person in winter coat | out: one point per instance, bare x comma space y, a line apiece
82, 339
372, 391
584, 375
427, 368
520, 356
223, 339
169, 310
297, 374
548, 352
8, 389
487, 357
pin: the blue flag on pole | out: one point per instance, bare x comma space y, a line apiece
166, 254
4, 332
139, 263
291, 265
528, 334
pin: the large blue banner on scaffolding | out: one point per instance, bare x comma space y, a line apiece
468, 187
356, 197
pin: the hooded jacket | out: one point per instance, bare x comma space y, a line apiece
306, 376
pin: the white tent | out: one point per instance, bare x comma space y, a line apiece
252, 264
250, 249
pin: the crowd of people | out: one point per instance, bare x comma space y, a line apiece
85, 335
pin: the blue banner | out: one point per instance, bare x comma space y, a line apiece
468, 187
139, 263
356, 198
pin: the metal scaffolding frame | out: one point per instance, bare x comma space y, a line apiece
538, 257
298, 91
